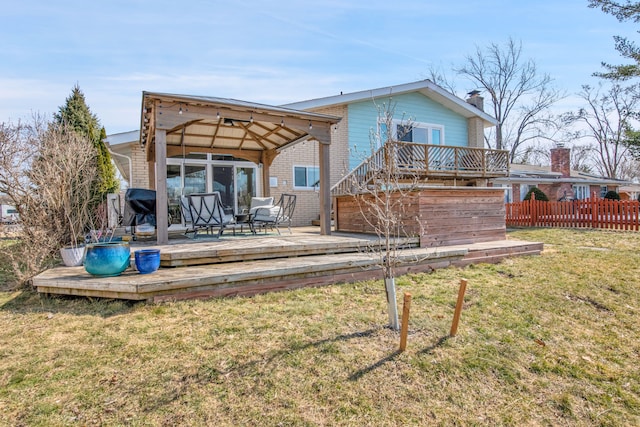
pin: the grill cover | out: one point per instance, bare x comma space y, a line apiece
139, 207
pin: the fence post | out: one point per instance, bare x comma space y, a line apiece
532, 209
594, 211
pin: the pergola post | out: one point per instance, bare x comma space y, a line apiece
266, 187
325, 189
162, 213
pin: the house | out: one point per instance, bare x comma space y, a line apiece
215, 144
630, 191
558, 181
436, 116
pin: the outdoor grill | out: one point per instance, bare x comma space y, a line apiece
139, 207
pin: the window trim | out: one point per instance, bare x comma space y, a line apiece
307, 167
528, 187
604, 189
430, 127
581, 190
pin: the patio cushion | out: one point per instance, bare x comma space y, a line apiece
266, 213
257, 202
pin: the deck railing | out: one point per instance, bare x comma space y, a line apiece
588, 213
408, 159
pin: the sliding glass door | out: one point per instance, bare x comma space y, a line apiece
246, 181
236, 180
223, 183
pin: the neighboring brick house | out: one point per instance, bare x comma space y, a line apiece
437, 117
557, 181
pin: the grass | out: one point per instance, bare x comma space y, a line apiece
548, 340
7, 278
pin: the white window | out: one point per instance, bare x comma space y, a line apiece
306, 177
603, 190
418, 132
421, 133
580, 192
508, 192
524, 189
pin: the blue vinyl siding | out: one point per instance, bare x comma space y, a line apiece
363, 118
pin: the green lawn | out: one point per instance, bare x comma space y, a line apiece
546, 340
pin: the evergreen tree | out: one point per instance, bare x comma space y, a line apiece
108, 181
539, 194
625, 10
76, 114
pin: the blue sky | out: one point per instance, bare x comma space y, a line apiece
274, 52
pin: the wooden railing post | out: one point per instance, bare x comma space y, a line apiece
456, 164
484, 163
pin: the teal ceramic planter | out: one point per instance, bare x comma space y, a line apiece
147, 260
107, 259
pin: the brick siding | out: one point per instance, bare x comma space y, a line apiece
306, 154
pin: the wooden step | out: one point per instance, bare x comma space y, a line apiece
233, 250
488, 252
239, 278
252, 266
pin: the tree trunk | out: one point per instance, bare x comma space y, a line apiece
392, 305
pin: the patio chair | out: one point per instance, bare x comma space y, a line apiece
206, 211
273, 216
185, 211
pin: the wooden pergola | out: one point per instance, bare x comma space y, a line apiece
180, 124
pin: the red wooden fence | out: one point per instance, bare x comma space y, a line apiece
588, 213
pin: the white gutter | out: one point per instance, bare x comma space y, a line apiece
130, 165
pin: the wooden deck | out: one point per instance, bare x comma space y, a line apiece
251, 265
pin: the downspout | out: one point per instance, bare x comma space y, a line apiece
130, 165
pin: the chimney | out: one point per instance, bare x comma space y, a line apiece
476, 100
561, 160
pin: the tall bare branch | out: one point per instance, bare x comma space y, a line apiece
519, 95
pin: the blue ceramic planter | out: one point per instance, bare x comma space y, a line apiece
147, 260
107, 259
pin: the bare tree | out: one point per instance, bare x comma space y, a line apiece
581, 158
629, 169
439, 77
609, 118
519, 95
47, 172
384, 194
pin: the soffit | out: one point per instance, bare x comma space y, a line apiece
209, 124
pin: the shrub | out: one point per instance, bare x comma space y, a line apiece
47, 172
612, 195
539, 194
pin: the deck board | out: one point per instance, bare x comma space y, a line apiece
250, 266
175, 280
